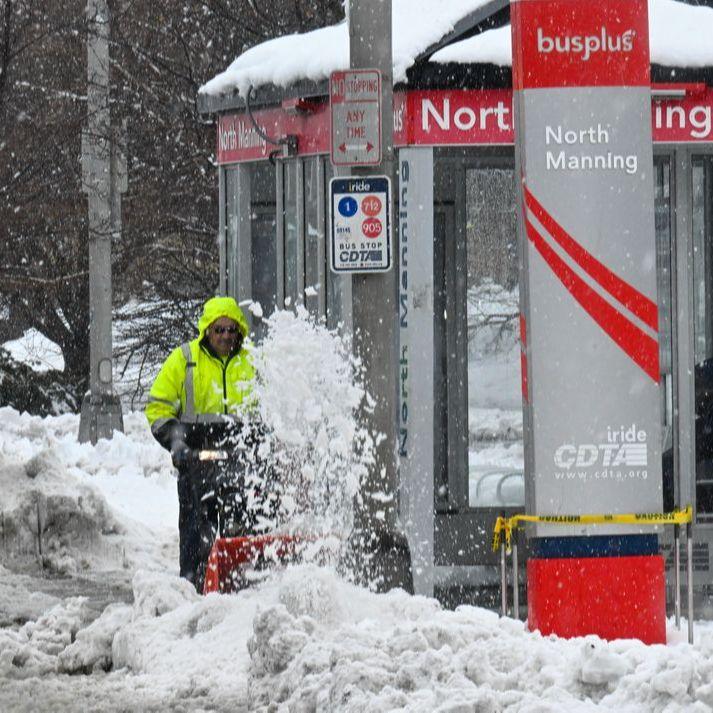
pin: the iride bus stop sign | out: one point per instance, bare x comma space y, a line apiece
355, 114
360, 221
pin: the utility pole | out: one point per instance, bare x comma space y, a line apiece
381, 549
104, 180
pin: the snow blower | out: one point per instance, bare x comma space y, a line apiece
246, 547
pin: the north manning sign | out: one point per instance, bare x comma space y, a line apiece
360, 212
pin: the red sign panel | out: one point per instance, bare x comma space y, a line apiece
238, 139
464, 117
580, 43
688, 119
461, 117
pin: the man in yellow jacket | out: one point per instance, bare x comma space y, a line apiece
200, 396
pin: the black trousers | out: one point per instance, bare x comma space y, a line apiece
236, 497
198, 520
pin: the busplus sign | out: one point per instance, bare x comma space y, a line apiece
590, 317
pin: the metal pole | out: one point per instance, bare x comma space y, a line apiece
382, 547
689, 578
515, 579
677, 573
104, 179
503, 582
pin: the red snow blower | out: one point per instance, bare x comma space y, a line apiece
236, 562
241, 555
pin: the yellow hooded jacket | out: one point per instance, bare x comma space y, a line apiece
220, 385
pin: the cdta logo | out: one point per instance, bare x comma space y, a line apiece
625, 446
606, 455
371, 228
586, 45
371, 206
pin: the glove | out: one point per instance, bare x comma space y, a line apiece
182, 455
170, 432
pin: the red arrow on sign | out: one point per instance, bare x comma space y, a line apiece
343, 147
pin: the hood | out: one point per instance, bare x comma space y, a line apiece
218, 307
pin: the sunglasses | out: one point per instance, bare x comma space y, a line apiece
223, 330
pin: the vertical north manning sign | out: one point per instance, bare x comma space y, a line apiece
360, 221
355, 110
589, 325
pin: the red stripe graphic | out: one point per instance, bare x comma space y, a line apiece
636, 302
642, 349
523, 377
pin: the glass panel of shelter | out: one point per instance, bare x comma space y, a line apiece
314, 243
495, 432
663, 222
701, 187
292, 223
263, 253
288, 220
478, 398
231, 226
491, 432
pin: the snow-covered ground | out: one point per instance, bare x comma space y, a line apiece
302, 640
35, 350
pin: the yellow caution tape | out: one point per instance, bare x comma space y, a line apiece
508, 524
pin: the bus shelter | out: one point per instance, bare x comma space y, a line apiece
460, 397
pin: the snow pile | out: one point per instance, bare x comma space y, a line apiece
308, 395
307, 640
33, 650
64, 504
395, 652
16, 610
679, 36
417, 24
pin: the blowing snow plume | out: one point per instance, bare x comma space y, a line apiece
308, 392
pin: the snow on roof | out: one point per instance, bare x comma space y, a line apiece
417, 24
679, 35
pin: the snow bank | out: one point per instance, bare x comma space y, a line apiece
395, 652
73, 507
307, 640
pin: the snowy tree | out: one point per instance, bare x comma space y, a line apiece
161, 53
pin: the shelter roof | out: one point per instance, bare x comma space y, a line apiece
432, 31
417, 26
680, 35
